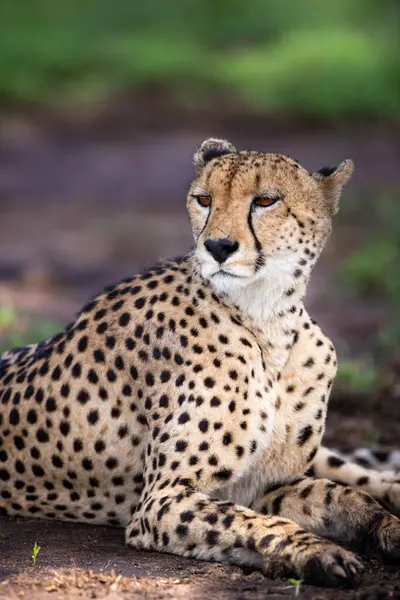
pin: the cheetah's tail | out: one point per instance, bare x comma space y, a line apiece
376, 458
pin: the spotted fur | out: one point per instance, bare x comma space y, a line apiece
188, 404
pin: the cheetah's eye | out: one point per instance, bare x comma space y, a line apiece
204, 201
266, 201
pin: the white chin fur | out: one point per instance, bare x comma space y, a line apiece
257, 294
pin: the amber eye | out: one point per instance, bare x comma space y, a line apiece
204, 201
264, 201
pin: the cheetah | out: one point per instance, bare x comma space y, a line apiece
187, 404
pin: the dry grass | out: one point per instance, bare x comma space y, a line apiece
78, 583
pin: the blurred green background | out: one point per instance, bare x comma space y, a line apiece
330, 58
102, 105
326, 58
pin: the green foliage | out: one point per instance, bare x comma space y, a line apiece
321, 72
357, 376
338, 57
7, 316
372, 270
372, 267
14, 333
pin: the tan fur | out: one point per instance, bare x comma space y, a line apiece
188, 403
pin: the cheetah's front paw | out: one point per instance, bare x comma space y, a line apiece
333, 566
324, 563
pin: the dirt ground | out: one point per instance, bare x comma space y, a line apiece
82, 206
80, 561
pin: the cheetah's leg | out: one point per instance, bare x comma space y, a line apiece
383, 486
334, 510
188, 523
310, 383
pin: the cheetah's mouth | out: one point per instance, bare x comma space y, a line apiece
225, 273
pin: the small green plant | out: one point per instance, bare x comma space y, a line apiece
296, 584
36, 550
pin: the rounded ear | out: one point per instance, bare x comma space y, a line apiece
210, 149
332, 180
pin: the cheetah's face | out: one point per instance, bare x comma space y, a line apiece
259, 215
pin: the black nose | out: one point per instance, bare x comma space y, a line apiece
221, 249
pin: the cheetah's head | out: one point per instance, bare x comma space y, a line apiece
258, 215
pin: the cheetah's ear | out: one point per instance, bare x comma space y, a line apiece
332, 180
210, 149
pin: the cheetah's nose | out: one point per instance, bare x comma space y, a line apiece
221, 249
